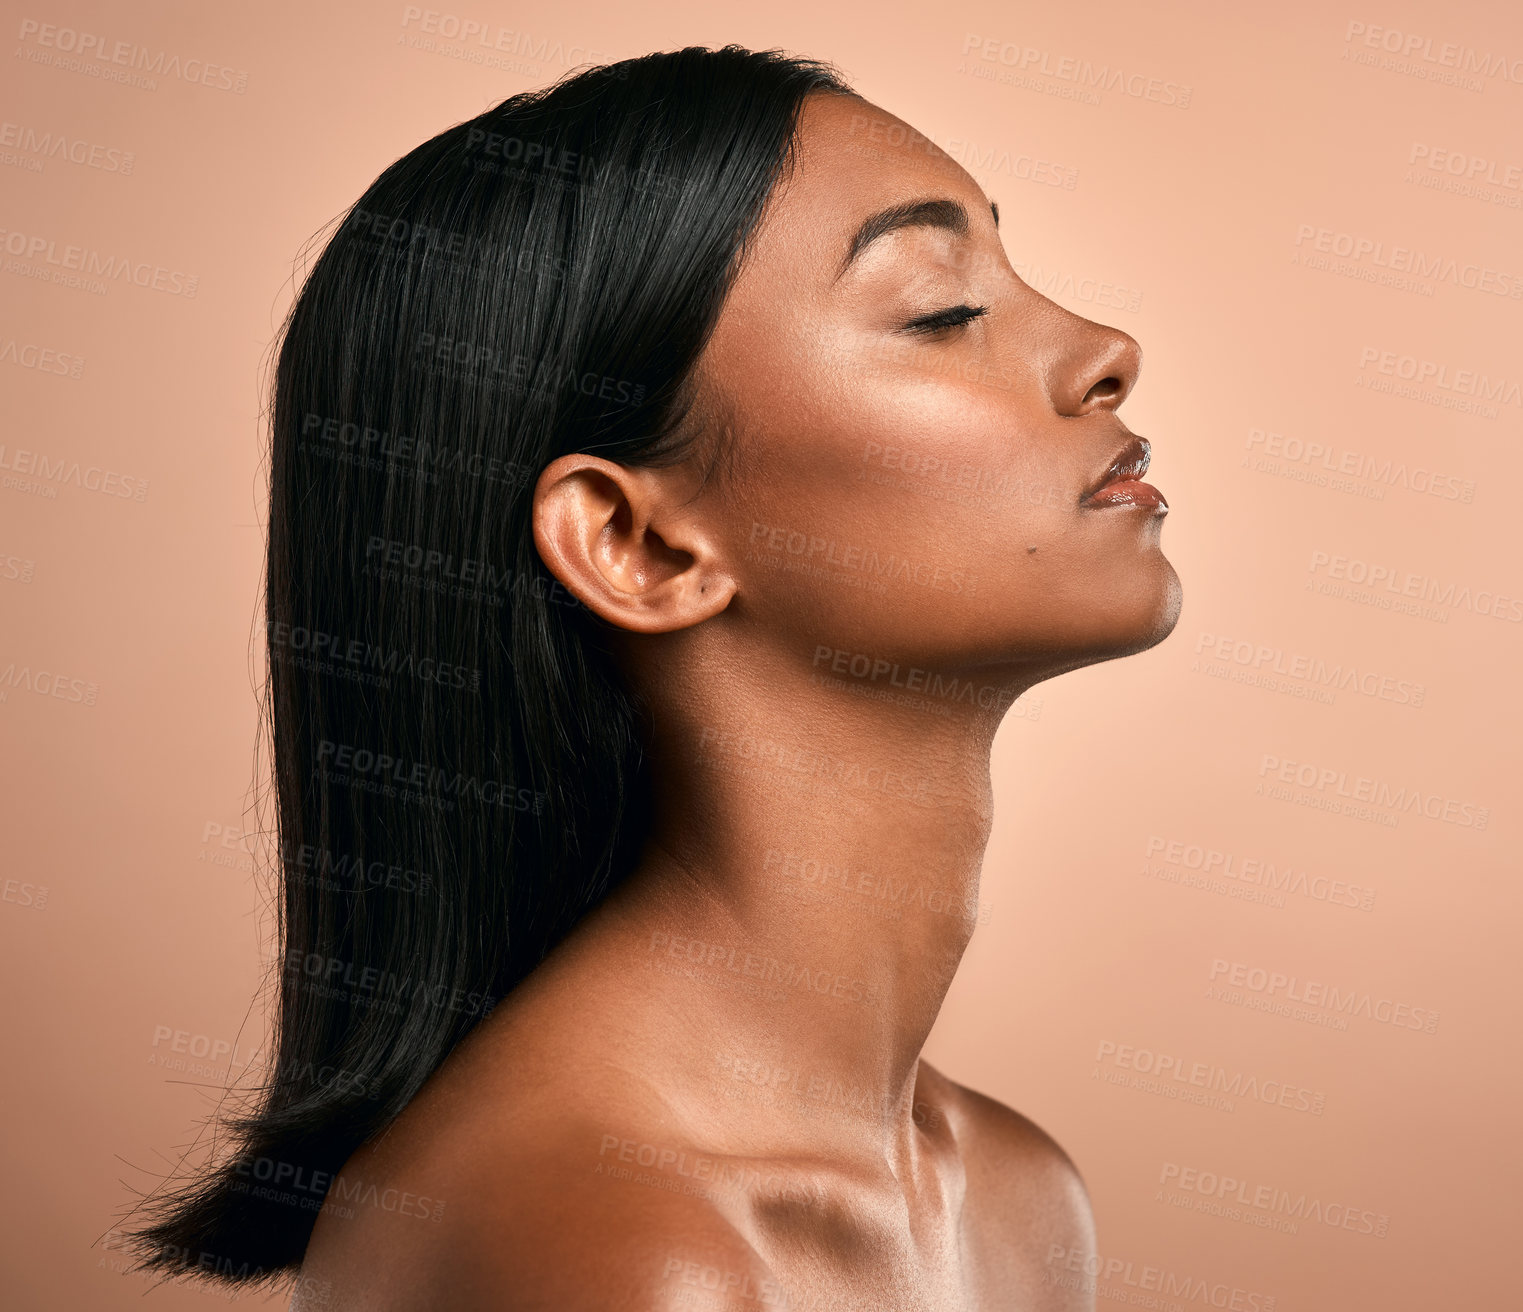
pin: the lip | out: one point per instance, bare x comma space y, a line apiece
1121, 484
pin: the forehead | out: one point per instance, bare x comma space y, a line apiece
837, 130
851, 160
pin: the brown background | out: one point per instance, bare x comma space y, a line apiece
129, 642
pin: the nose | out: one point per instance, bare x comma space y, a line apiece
1095, 369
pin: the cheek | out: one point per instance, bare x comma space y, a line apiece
866, 496
888, 498
961, 468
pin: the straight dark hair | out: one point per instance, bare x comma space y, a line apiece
458, 769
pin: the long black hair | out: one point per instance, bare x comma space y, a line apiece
458, 773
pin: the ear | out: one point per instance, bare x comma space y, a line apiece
625, 543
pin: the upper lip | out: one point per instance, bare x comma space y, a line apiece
1130, 463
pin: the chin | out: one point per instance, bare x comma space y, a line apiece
1166, 612
1147, 619
1153, 621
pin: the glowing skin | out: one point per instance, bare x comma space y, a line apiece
707, 1012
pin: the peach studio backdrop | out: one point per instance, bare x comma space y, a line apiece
1308, 216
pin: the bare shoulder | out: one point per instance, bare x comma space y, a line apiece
547, 1218
600, 1243
1003, 1144
1028, 1215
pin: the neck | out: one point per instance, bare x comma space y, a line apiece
809, 886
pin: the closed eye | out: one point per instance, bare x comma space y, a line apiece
954, 316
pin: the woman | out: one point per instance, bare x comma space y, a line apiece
672, 487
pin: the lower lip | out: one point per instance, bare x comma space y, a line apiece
1129, 492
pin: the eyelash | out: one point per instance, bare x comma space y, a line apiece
954, 316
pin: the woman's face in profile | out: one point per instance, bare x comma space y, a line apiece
910, 488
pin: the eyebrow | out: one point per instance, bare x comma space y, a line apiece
936, 213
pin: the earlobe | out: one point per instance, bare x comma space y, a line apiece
622, 542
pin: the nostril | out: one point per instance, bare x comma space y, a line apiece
1104, 390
